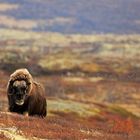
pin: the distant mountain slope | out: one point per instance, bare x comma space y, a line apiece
77, 16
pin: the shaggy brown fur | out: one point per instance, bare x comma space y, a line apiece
25, 95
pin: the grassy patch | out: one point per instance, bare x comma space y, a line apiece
67, 106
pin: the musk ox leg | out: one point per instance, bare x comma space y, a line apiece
16, 110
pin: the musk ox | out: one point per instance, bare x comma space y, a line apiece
26, 95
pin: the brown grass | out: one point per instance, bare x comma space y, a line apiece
70, 126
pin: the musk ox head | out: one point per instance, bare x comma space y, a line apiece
19, 91
19, 86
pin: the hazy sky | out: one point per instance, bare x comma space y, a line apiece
72, 16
